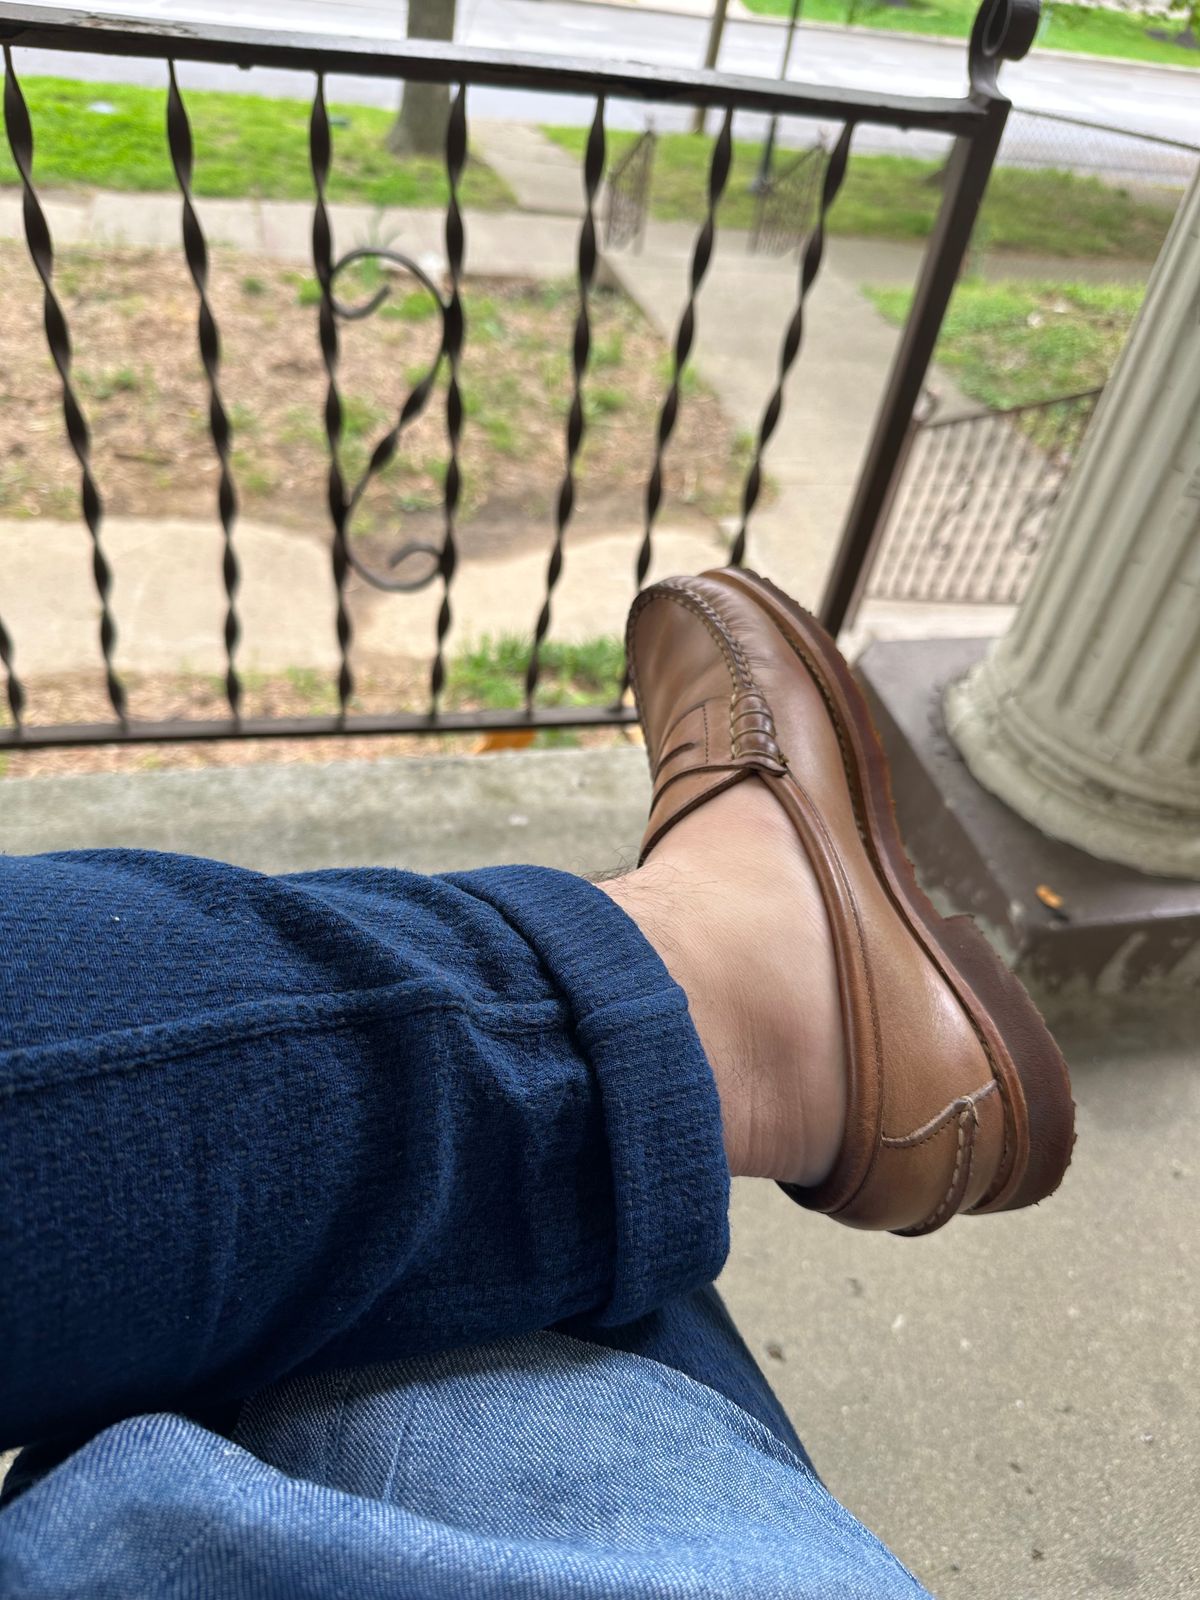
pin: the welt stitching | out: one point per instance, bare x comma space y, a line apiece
936, 958
964, 1144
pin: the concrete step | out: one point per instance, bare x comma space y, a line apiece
579, 810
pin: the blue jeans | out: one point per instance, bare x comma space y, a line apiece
356, 1235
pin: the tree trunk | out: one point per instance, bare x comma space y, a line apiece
420, 125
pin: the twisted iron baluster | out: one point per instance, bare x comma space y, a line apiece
320, 150
195, 249
13, 685
454, 330
58, 338
593, 173
793, 338
718, 175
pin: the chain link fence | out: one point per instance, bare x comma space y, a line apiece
1145, 176
1043, 140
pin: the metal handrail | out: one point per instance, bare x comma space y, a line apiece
932, 423
427, 61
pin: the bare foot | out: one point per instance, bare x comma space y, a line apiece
730, 903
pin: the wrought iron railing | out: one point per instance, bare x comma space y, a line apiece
974, 121
974, 503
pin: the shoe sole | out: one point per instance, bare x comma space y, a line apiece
1023, 1055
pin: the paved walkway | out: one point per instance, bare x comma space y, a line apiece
813, 460
170, 605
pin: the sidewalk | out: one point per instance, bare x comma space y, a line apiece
812, 463
170, 604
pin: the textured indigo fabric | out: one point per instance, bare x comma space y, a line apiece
255, 1125
344, 1143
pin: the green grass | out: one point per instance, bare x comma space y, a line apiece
1086, 29
492, 672
602, 401
119, 380
608, 351
245, 145
418, 305
320, 698
1011, 344
896, 197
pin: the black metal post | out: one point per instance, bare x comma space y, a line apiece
762, 178
63, 736
712, 51
966, 179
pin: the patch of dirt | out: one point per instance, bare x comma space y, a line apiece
81, 698
132, 316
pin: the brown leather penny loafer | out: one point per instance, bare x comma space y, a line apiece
957, 1097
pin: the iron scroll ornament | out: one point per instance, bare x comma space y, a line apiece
418, 398
1003, 30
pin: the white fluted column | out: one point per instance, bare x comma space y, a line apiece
1085, 718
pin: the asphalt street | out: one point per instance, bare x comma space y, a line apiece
1125, 95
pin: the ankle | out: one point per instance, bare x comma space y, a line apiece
748, 943
669, 908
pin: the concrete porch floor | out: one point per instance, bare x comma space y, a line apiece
1010, 1404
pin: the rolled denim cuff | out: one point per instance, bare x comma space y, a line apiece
661, 1111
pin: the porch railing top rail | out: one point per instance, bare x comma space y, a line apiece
416, 60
